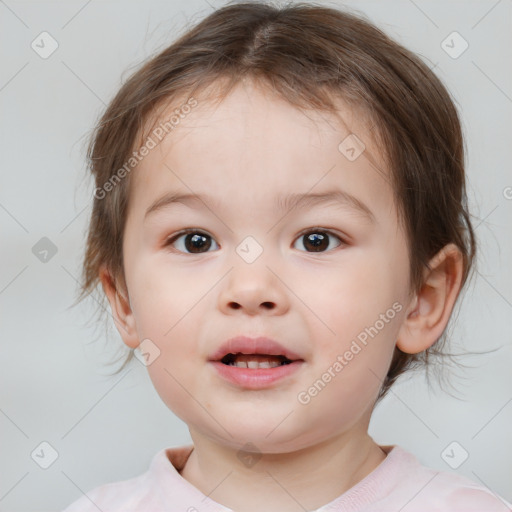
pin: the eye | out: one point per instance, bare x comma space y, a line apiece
194, 241
318, 239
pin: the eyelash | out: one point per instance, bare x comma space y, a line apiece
169, 241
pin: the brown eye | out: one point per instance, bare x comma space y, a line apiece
191, 241
317, 240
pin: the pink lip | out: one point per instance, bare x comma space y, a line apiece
255, 378
246, 345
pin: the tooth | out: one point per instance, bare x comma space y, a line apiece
254, 363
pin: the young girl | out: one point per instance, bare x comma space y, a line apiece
280, 226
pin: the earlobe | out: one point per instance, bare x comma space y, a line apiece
430, 310
121, 309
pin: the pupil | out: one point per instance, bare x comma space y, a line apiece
318, 240
197, 242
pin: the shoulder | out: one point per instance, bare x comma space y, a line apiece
460, 494
126, 495
444, 491
472, 498
456, 493
139, 493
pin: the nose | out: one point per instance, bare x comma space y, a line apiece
254, 289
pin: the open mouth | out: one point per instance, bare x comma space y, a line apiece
254, 360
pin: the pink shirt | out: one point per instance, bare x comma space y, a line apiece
398, 483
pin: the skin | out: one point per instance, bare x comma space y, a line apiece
248, 150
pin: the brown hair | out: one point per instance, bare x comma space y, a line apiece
309, 55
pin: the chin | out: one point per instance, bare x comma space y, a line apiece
265, 436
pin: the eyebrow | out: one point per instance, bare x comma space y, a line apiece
289, 202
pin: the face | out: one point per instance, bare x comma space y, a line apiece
330, 281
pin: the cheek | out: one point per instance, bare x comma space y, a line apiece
166, 313
349, 372
162, 295
349, 298
357, 314
172, 385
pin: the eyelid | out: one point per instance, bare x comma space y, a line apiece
172, 238
186, 232
322, 229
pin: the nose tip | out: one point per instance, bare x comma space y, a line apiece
253, 290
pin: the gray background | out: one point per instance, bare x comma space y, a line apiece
54, 383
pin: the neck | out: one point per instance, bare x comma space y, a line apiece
305, 479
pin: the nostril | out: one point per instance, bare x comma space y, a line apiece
266, 305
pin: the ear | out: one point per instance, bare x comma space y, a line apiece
431, 308
121, 309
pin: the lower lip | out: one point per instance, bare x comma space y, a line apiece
255, 378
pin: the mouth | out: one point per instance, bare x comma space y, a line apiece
255, 361
262, 350
256, 371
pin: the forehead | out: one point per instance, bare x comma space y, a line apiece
254, 144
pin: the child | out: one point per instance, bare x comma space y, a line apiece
280, 226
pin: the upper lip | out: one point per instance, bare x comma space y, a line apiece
247, 345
